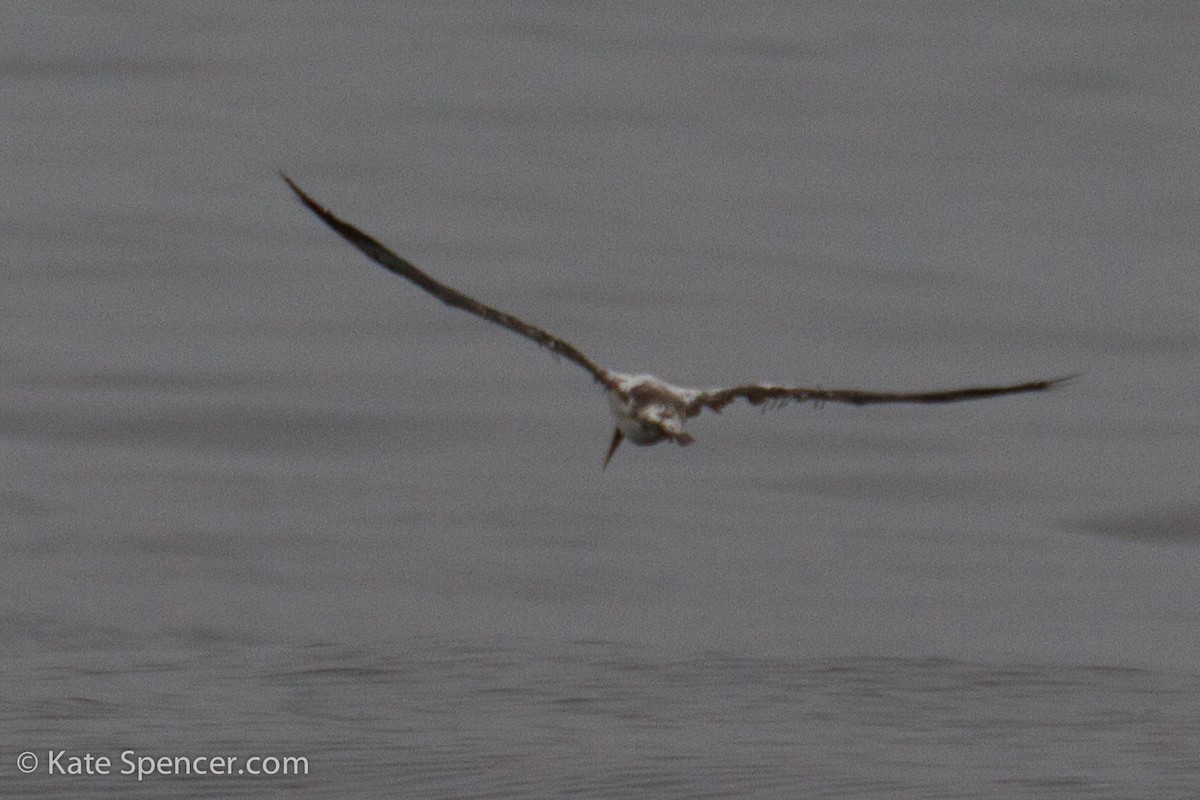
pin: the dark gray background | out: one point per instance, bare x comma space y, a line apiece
262, 498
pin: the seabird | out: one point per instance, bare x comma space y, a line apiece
647, 409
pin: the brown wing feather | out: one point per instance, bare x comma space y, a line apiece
757, 394
452, 297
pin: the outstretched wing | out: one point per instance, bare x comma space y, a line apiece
451, 297
757, 394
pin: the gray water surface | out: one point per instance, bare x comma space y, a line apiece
262, 499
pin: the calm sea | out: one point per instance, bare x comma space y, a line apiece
267, 509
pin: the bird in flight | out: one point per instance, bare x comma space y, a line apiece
647, 409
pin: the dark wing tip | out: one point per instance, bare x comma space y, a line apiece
1047, 384
1063, 379
291, 183
313, 205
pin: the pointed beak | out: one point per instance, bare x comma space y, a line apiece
612, 448
673, 430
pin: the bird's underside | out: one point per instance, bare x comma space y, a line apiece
647, 409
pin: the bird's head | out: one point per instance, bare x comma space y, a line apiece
663, 421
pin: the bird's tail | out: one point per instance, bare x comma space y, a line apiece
612, 448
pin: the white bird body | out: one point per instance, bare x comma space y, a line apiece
647, 409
